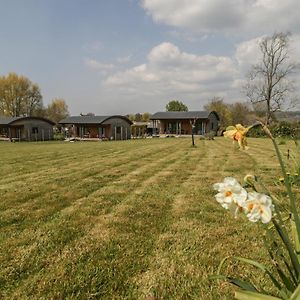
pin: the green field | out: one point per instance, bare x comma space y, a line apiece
124, 220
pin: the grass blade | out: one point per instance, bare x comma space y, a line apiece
247, 295
296, 294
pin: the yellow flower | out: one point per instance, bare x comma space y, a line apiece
238, 134
281, 179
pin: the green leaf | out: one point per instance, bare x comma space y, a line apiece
241, 284
290, 193
222, 263
247, 295
261, 267
296, 294
289, 284
296, 238
289, 247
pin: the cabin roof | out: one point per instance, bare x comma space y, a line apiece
180, 115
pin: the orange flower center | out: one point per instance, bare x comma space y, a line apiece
228, 193
237, 136
250, 206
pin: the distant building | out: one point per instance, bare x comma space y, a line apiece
113, 127
26, 128
142, 129
182, 122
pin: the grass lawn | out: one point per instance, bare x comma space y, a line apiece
124, 220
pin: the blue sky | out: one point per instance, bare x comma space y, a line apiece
128, 56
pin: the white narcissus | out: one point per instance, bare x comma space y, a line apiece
259, 207
231, 194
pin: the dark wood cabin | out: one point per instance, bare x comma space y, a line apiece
114, 127
26, 129
183, 122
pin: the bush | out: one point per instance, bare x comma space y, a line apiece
58, 136
283, 129
280, 129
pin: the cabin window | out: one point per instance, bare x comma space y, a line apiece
118, 130
35, 130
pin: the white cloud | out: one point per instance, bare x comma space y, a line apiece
235, 16
94, 64
170, 72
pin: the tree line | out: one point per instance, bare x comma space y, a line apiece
19, 96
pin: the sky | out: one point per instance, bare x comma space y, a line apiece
129, 56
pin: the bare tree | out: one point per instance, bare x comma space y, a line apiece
268, 83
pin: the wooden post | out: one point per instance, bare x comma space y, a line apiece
115, 132
193, 126
43, 136
121, 132
126, 133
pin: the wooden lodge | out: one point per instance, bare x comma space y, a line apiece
26, 129
183, 122
113, 127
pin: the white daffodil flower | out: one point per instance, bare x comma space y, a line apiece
231, 194
259, 207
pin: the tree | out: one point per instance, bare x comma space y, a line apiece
146, 117
241, 113
57, 110
222, 109
175, 105
268, 82
138, 117
19, 96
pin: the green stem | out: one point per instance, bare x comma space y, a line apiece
288, 187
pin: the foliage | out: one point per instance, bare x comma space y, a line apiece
58, 136
138, 117
282, 245
235, 113
268, 87
19, 96
57, 110
283, 129
222, 109
175, 105
279, 129
240, 113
